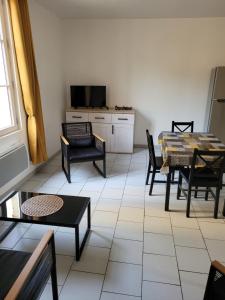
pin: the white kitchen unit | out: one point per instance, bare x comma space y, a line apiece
115, 127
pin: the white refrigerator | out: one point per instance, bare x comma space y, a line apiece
216, 120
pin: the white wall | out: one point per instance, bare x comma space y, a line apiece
161, 67
47, 37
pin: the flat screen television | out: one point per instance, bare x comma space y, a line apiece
88, 95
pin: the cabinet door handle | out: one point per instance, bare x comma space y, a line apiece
123, 119
112, 129
99, 118
76, 117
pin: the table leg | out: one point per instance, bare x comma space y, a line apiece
168, 182
79, 248
77, 242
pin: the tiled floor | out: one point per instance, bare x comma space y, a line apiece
136, 250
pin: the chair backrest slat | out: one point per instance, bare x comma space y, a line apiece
208, 161
182, 126
151, 148
76, 130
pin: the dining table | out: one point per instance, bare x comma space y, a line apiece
177, 152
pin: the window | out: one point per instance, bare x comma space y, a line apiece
8, 116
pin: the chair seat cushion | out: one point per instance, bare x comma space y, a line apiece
11, 264
90, 153
204, 178
159, 161
83, 141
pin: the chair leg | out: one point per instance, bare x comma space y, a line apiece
173, 176
207, 194
148, 173
188, 202
104, 168
196, 192
103, 173
152, 181
178, 186
68, 171
217, 202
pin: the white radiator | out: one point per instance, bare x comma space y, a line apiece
12, 164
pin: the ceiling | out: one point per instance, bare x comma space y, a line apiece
135, 8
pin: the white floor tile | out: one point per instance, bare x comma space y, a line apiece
108, 204
213, 230
216, 249
36, 231
126, 251
160, 268
123, 278
180, 220
82, 286
27, 245
133, 201
157, 225
131, 214
112, 193
134, 190
63, 264
156, 209
160, 291
101, 237
93, 260
193, 259
71, 189
112, 296
13, 237
188, 237
159, 244
47, 292
193, 285
104, 218
65, 243
129, 230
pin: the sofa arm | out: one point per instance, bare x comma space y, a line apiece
21, 280
99, 143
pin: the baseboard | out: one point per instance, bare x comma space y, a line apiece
140, 146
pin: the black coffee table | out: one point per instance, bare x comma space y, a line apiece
69, 215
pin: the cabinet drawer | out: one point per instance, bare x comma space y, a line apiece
123, 119
100, 118
76, 117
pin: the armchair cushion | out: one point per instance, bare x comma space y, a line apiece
91, 153
11, 263
82, 141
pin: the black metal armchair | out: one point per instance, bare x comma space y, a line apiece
215, 287
155, 162
206, 172
79, 144
24, 275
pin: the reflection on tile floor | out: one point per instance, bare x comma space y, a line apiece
136, 250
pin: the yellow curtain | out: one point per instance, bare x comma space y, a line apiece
22, 35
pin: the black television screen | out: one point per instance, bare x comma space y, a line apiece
88, 96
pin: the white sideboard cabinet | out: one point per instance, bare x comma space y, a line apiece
115, 127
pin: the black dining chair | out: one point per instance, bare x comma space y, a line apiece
182, 126
215, 287
206, 172
80, 144
155, 163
